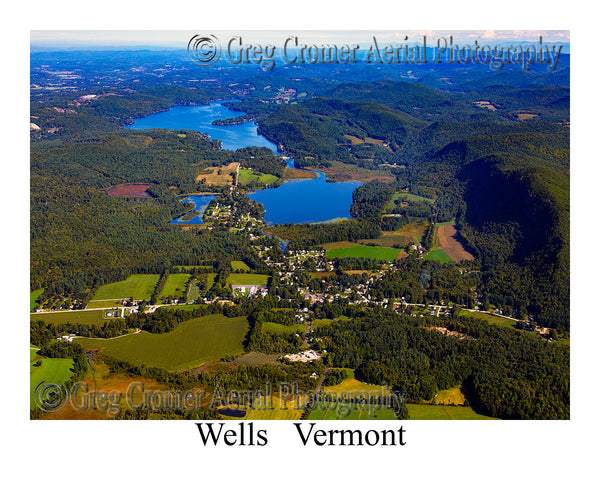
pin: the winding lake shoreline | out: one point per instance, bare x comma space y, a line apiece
296, 200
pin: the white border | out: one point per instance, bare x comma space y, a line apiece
434, 449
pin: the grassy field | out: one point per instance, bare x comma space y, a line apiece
239, 265
340, 172
413, 231
247, 279
189, 345
351, 414
85, 317
270, 327
450, 396
406, 197
52, 370
438, 255
443, 412
140, 287
501, 322
175, 286
363, 251
388, 239
33, 298
248, 176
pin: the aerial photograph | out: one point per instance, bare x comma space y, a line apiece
234, 226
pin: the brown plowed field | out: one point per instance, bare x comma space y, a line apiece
447, 241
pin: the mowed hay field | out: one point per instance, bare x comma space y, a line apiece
175, 286
140, 287
219, 176
248, 176
438, 255
247, 279
85, 317
189, 345
446, 238
364, 251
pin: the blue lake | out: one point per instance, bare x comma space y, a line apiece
295, 201
200, 118
306, 201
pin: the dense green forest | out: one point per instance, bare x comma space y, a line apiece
508, 374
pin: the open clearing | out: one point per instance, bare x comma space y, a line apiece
388, 239
450, 396
189, 345
52, 370
341, 172
443, 412
438, 255
248, 176
270, 327
33, 298
175, 286
247, 279
406, 197
140, 287
414, 231
84, 317
219, 176
363, 251
350, 412
239, 265
447, 240
500, 321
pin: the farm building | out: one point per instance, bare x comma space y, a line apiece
250, 289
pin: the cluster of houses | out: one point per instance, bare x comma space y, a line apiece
250, 290
306, 356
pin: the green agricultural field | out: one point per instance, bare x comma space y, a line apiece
247, 279
363, 251
501, 322
248, 176
351, 413
190, 344
443, 412
406, 197
239, 265
52, 370
33, 298
85, 317
439, 256
175, 286
140, 287
270, 327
